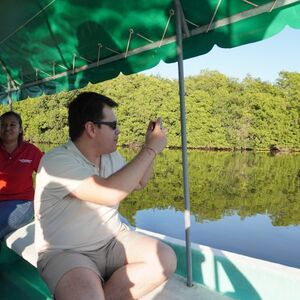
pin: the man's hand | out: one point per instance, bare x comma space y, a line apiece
156, 136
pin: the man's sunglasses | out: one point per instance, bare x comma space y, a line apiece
112, 125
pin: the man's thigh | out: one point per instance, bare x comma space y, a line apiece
141, 248
54, 265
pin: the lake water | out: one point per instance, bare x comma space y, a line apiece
248, 203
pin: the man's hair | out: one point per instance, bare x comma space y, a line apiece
19, 120
87, 106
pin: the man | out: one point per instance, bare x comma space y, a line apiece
85, 252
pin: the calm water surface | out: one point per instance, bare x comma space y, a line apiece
241, 202
248, 203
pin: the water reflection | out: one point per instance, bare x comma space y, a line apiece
223, 184
253, 236
247, 203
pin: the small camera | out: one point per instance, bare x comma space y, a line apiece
153, 125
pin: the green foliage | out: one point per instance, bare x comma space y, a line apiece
221, 112
223, 183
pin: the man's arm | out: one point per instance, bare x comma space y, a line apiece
113, 189
143, 182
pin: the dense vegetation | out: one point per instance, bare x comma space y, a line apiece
221, 112
223, 184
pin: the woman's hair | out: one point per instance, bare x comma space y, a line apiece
18, 117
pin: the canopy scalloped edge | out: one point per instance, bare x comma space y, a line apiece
253, 24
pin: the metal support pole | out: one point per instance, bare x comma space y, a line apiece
9, 84
187, 213
9, 96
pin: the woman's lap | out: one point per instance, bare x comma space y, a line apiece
14, 214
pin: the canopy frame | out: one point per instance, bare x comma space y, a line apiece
10, 84
254, 10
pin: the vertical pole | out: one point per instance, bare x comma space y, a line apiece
9, 96
187, 213
9, 84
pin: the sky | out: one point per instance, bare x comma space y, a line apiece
264, 59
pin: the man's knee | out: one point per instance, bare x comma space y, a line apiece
79, 283
167, 258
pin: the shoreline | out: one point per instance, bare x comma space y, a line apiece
272, 150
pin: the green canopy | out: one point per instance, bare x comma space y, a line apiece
47, 46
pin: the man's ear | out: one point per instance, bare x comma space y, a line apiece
89, 128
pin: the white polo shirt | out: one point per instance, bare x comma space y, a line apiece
64, 222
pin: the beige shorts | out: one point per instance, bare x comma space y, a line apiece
104, 261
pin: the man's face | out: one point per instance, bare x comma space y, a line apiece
107, 137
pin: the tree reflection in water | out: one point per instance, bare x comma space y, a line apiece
248, 203
224, 184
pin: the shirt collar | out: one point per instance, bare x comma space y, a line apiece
72, 147
20, 145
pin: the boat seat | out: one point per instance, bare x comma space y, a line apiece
21, 241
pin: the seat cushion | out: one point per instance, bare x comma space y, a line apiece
21, 241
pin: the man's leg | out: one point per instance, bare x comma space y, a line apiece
148, 264
79, 284
70, 275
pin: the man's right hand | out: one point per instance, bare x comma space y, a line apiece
156, 136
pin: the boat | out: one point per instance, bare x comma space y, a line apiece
217, 274
111, 37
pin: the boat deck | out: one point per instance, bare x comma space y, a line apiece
217, 274
176, 289
29, 285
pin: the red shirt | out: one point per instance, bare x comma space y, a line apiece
16, 170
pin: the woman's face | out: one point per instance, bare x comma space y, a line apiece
10, 129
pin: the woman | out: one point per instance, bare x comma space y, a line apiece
18, 160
